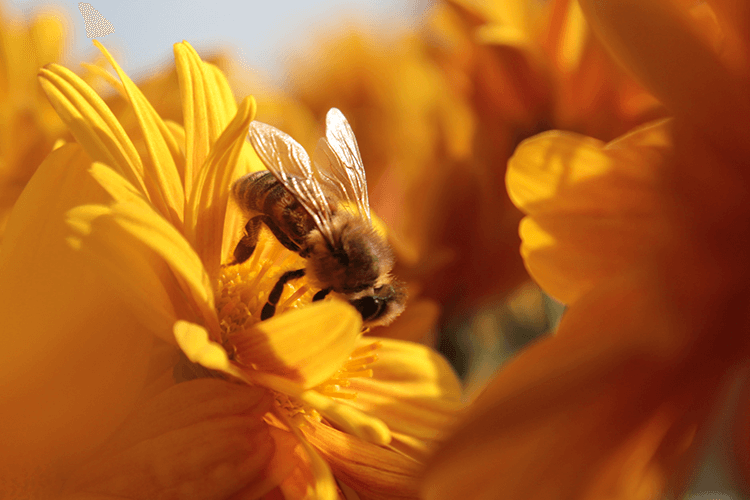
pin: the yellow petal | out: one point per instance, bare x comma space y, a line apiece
200, 440
311, 477
207, 206
221, 93
164, 153
115, 234
593, 208
663, 46
606, 408
194, 341
74, 358
374, 472
205, 108
346, 418
305, 345
92, 123
413, 390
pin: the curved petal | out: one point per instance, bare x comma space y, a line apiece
199, 348
413, 390
122, 231
374, 472
205, 107
311, 477
74, 358
609, 407
735, 18
93, 124
664, 47
593, 209
202, 439
206, 209
162, 149
307, 345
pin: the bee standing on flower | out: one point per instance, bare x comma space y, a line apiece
321, 211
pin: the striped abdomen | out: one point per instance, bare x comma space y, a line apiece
264, 199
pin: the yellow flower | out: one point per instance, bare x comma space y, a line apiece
643, 238
128, 250
28, 124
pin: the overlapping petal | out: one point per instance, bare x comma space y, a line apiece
607, 408
202, 439
210, 196
412, 389
207, 108
307, 346
166, 161
374, 472
664, 47
119, 234
93, 125
593, 209
68, 334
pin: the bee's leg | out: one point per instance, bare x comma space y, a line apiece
273, 298
321, 294
246, 245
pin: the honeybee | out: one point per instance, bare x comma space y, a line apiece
321, 211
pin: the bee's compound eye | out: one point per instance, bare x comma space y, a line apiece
369, 307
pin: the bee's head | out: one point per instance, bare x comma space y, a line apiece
382, 305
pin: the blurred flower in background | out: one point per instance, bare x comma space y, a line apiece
28, 124
639, 237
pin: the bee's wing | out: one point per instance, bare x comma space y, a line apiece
289, 163
339, 163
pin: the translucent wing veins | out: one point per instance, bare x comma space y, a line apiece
290, 164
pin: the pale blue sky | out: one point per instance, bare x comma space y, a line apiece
260, 32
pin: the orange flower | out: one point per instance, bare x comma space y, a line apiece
138, 244
640, 238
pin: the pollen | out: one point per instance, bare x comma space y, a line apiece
242, 290
358, 365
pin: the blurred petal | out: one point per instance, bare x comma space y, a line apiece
306, 345
74, 357
116, 231
593, 209
606, 408
203, 439
735, 18
665, 49
417, 323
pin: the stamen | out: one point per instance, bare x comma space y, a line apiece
242, 292
294, 297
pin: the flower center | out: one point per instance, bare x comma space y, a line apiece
242, 290
336, 387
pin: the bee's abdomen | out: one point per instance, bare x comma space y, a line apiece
252, 190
